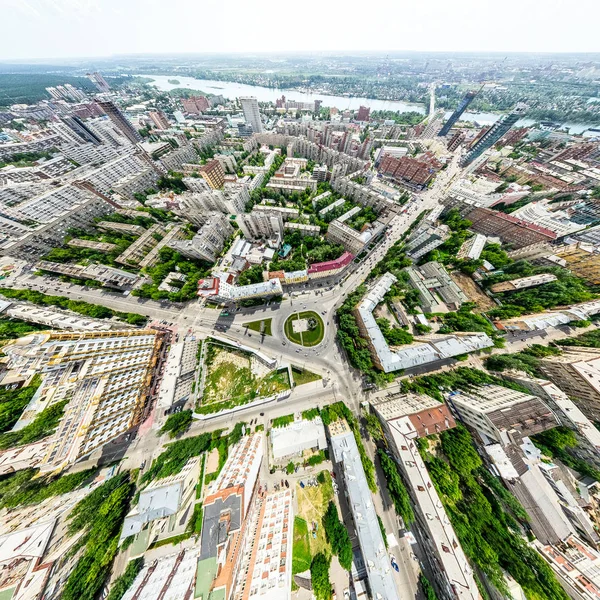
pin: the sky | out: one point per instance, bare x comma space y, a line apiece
87, 28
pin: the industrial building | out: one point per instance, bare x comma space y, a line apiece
437, 290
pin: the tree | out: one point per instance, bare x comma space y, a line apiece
177, 423
396, 488
319, 572
373, 426
338, 537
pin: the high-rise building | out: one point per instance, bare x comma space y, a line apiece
102, 379
159, 119
251, 113
457, 114
434, 125
99, 82
78, 126
213, 174
208, 242
494, 133
120, 121
363, 113
260, 225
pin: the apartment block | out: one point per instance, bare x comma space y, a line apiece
425, 239
345, 454
91, 245
107, 276
208, 243
232, 199
104, 377
577, 373
159, 119
438, 292
404, 420
121, 227
134, 253
120, 121
258, 225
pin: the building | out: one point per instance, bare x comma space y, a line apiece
429, 350
231, 199
577, 373
297, 437
228, 510
494, 133
121, 227
260, 225
265, 571
56, 319
159, 119
120, 121
212, 172
172, 496
330, 267
576, 566
136, 251
523, 283
457, 114
372, 546
438, 292
179, 376
404, 420
91, 245
195, 104
222, 288
251, 113
434, 125
208, 243
303, 229
472, 248
104, 378
418, 171
353, 241
509, 229
501, 414
106, 276
425, 239
363, 113
99, 81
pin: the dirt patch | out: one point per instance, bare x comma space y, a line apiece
473, 291
212, 461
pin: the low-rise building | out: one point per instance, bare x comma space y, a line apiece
297, 437
473, 247
437, 290
107, 276
330, 267
91, 245
523, 283
372, 545
222, 288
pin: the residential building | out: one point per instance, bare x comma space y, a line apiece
426, 238
576, 371
295, 438
258, 225
427, 351
208, 243
56, 319
360, 500
120, 121
228, 510
231, 199
134, 253
502, 414
418, 171
494, 133
330, 267
303, 229
222, 288
265, 571
121, 227
99, 81
523, 283
251, 113
213, 173
405, 419
159, 119
363, 113
106, 276
103, 377
352, 240
179, 376
174, 233
434, 125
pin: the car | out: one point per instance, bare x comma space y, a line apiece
346, 594
262, 414
287, 483
395, 564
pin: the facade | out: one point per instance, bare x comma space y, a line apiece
501, 414
377, 561
363, 113
104, 378
213, 174
251, 113
120, 121
577, 373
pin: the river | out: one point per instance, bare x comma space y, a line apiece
232, 90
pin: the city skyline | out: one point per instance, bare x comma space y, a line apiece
432, 29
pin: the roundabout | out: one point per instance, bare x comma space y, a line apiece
304, 328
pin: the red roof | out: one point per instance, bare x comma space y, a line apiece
331, 265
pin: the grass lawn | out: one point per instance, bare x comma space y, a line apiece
301, 376
312, 504
301, 557
234, 378
259, 327
305, 338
